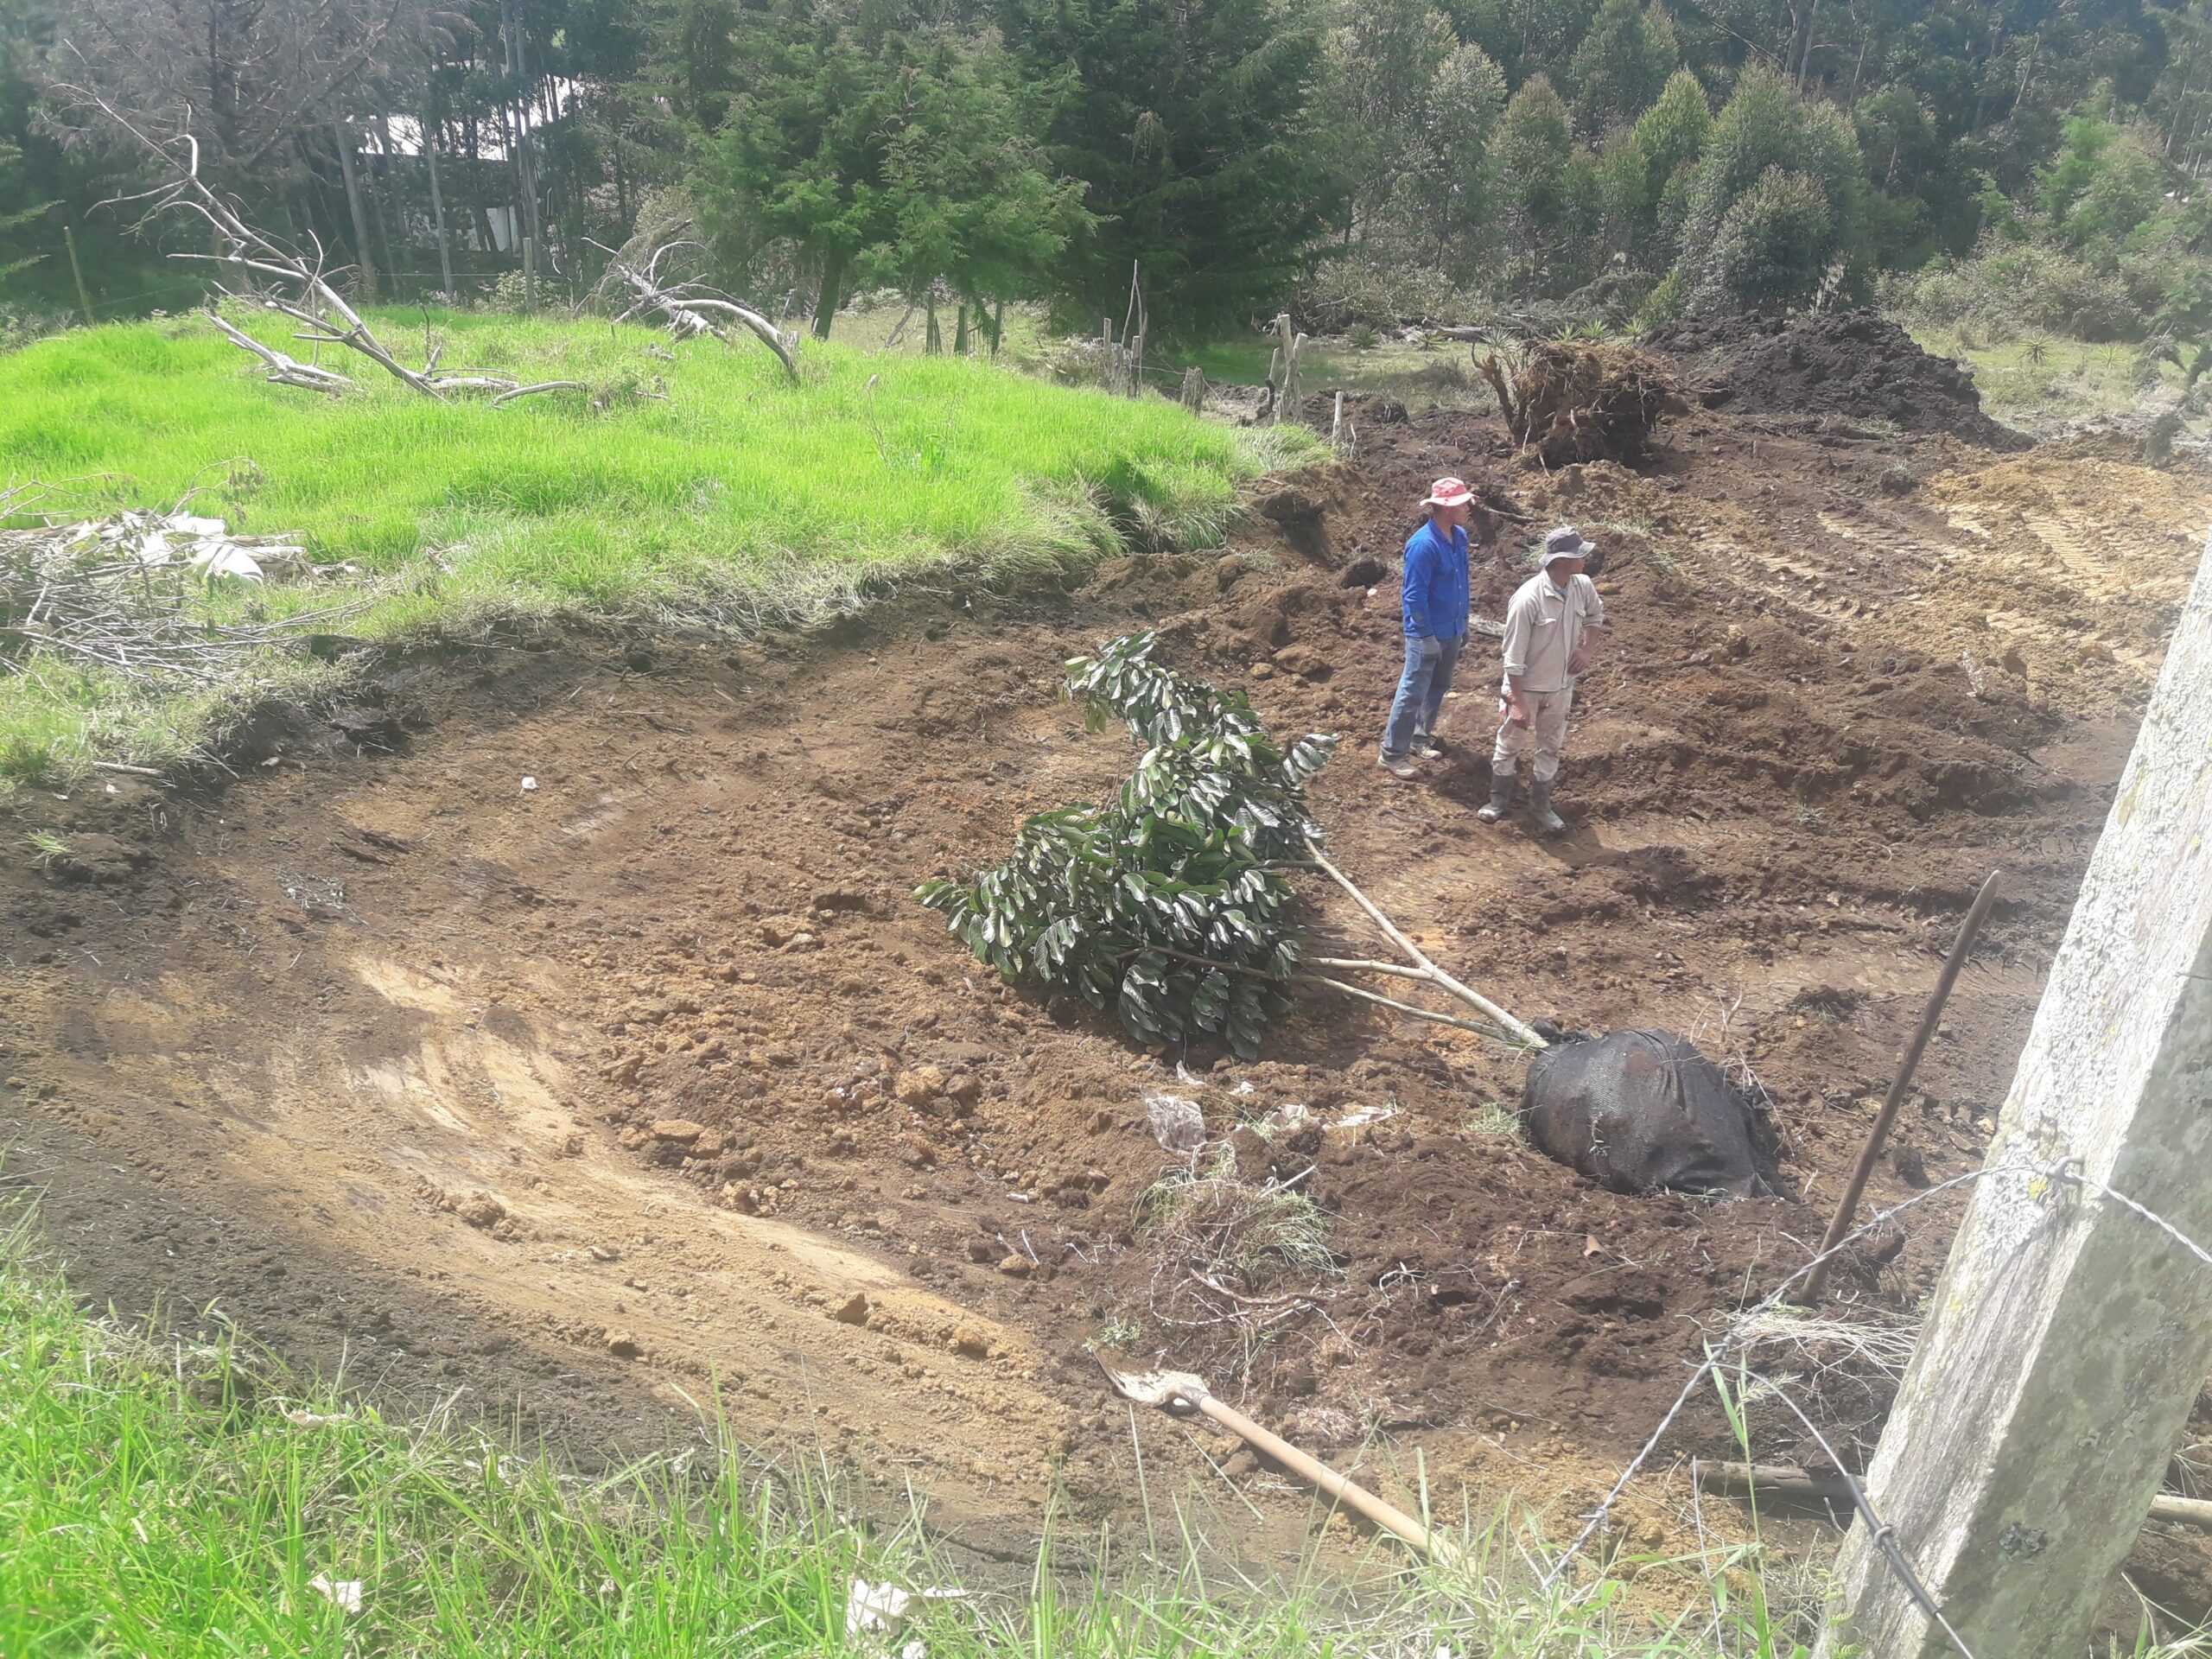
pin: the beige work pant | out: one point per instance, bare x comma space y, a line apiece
1545, 733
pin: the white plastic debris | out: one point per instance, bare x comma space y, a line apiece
879, 1611
345, 1594
300, 1419
216, 559
530, 785
1177, 1123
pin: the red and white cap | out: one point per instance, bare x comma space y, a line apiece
1448, 493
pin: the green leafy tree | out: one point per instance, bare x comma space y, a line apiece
801, 154
1381, 70
1766, 127
1622, 64
2126, 189
1190, 124
1167, 904
1669, 138
968, 187
1417, 109
1775, 240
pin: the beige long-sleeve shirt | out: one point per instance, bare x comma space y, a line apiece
1544, 627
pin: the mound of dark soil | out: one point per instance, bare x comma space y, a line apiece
1858, 364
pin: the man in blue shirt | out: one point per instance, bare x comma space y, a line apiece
1434, 602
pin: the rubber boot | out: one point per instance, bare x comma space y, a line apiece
1500, 796
1540, 808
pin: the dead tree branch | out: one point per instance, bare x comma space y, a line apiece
301, 289
689, 307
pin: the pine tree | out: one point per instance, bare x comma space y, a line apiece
1190, 124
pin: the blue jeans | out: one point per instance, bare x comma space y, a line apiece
1429, 663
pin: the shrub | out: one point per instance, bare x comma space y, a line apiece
2009, 289
1167, 903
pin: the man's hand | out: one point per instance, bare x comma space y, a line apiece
1516, 709
1580, 661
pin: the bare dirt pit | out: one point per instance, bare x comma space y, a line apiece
558, 1030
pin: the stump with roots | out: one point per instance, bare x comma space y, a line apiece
1571, 402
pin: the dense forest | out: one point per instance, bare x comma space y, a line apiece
2035, 162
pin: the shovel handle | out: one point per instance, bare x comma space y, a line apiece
1353, 1496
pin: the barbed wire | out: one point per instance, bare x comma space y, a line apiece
1882, 1535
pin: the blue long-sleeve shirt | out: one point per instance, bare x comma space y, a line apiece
1434, 593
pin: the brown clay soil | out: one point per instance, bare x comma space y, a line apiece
583, 1100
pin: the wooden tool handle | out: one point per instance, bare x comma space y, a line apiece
1351, 1495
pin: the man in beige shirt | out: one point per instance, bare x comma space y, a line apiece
1549, 639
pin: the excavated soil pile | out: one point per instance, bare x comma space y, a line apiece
647, 1078
1858, 364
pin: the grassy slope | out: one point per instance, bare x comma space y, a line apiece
174, 1500
738, 493
2041, 384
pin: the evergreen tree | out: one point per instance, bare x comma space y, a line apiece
1528, 160
1766, 127
1190, 124
971, 200
1622, 64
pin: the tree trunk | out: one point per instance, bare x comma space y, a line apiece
932, 340
438, 210
831, 294
998, 325
960, 332
361, 248
380, 176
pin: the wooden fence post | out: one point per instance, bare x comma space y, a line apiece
2069, 1335
1194, 389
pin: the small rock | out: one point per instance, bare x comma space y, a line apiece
919, 1085
780, 931
1228, 568
980, 1250
623, 1070
481, 1209
852, 1311
1363, 573
1015, 1266
970, 1343
1263, 671
966, 1088
917, 1151
1305, 662
677, 1128
623, 1346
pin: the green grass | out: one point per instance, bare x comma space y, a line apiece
2039, 385
182, 1500
739, 499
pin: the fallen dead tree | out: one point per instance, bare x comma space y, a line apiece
690, 309
1574, 402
